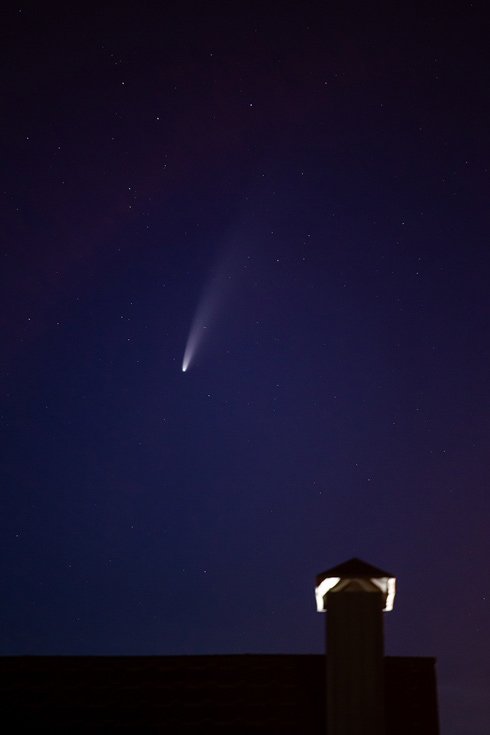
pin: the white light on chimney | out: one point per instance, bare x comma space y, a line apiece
385, 584
322, 590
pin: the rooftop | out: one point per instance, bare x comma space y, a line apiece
281, 694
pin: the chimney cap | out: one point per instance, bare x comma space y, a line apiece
354, 569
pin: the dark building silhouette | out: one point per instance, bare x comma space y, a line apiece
356, 691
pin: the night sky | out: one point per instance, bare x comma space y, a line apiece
308, 184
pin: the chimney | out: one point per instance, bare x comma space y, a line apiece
354, 596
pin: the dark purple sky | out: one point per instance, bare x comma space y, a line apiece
318, 173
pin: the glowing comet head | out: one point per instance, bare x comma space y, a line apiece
214, 293
191, 346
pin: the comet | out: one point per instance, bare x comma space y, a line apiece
224, 278
207, 307
195, 337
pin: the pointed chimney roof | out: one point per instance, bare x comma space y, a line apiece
354, 569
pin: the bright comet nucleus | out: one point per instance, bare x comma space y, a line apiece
214, 294
194, 339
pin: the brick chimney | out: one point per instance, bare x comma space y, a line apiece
354, 596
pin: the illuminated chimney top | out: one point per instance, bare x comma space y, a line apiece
351, 575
